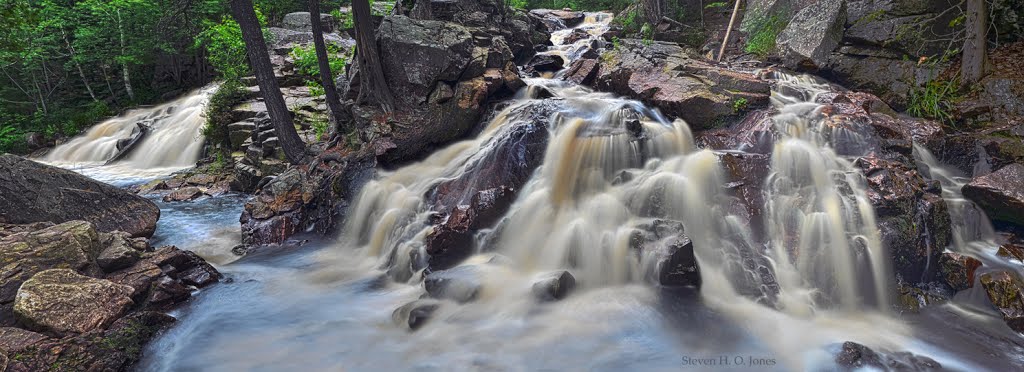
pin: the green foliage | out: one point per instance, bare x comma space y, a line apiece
647, 33
616, 43
762, 34
11, 140
519, 4
224, 47
935, 100
630, 23
739, 104
307, 64
320, 125
218, 112
718, 4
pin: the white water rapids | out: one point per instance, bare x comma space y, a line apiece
174, 141
784, 298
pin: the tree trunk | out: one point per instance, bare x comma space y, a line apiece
78, 66
371, 74
259, 59
334, 109
421, 10
651, 11
975, 55
124, 65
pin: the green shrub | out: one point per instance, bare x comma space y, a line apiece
935, 100
307, 64
739, 105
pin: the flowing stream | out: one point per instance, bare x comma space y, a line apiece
784, 298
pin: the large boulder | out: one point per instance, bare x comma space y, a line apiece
481, 195
911, 214
309, 197
812, 35
440, 74
676, 81
1006, 292
62, 301
71, 245
34, 192
1000, 194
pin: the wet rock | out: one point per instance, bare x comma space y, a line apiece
62, 301
482, 194
1011, 251
958, 270
679, 83
415, 314
553, 286
166, 292
912, 298
1000, 194
1004, 290
666, 254
118, 252
184, 194
34, 192
71, 245
583, 71
911, 214
857, 356
562, 18
460, 284
184, 266
306, 198
545, 63
813, 34
300, 21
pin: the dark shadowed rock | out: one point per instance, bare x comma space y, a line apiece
34, 192
553, 286
415, 314
1000, 194
545, 63
62, 301
958, 270
911, 214
563, 18
1004, 290
300, 21
666, 254
460, 284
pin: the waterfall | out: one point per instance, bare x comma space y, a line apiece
174, 139
600, 181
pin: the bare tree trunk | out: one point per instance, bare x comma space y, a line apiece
259, 59
651, 11
326, 76
972, 67
39, 93
124, 65
371, 74
78, 66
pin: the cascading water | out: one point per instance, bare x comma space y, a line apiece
816, 276
174, 140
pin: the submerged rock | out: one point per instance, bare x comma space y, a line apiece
415, 314
34, 192
553, 286
62, 301
1000, 194
460, 284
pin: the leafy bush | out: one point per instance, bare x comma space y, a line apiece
225, 48
307, 64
